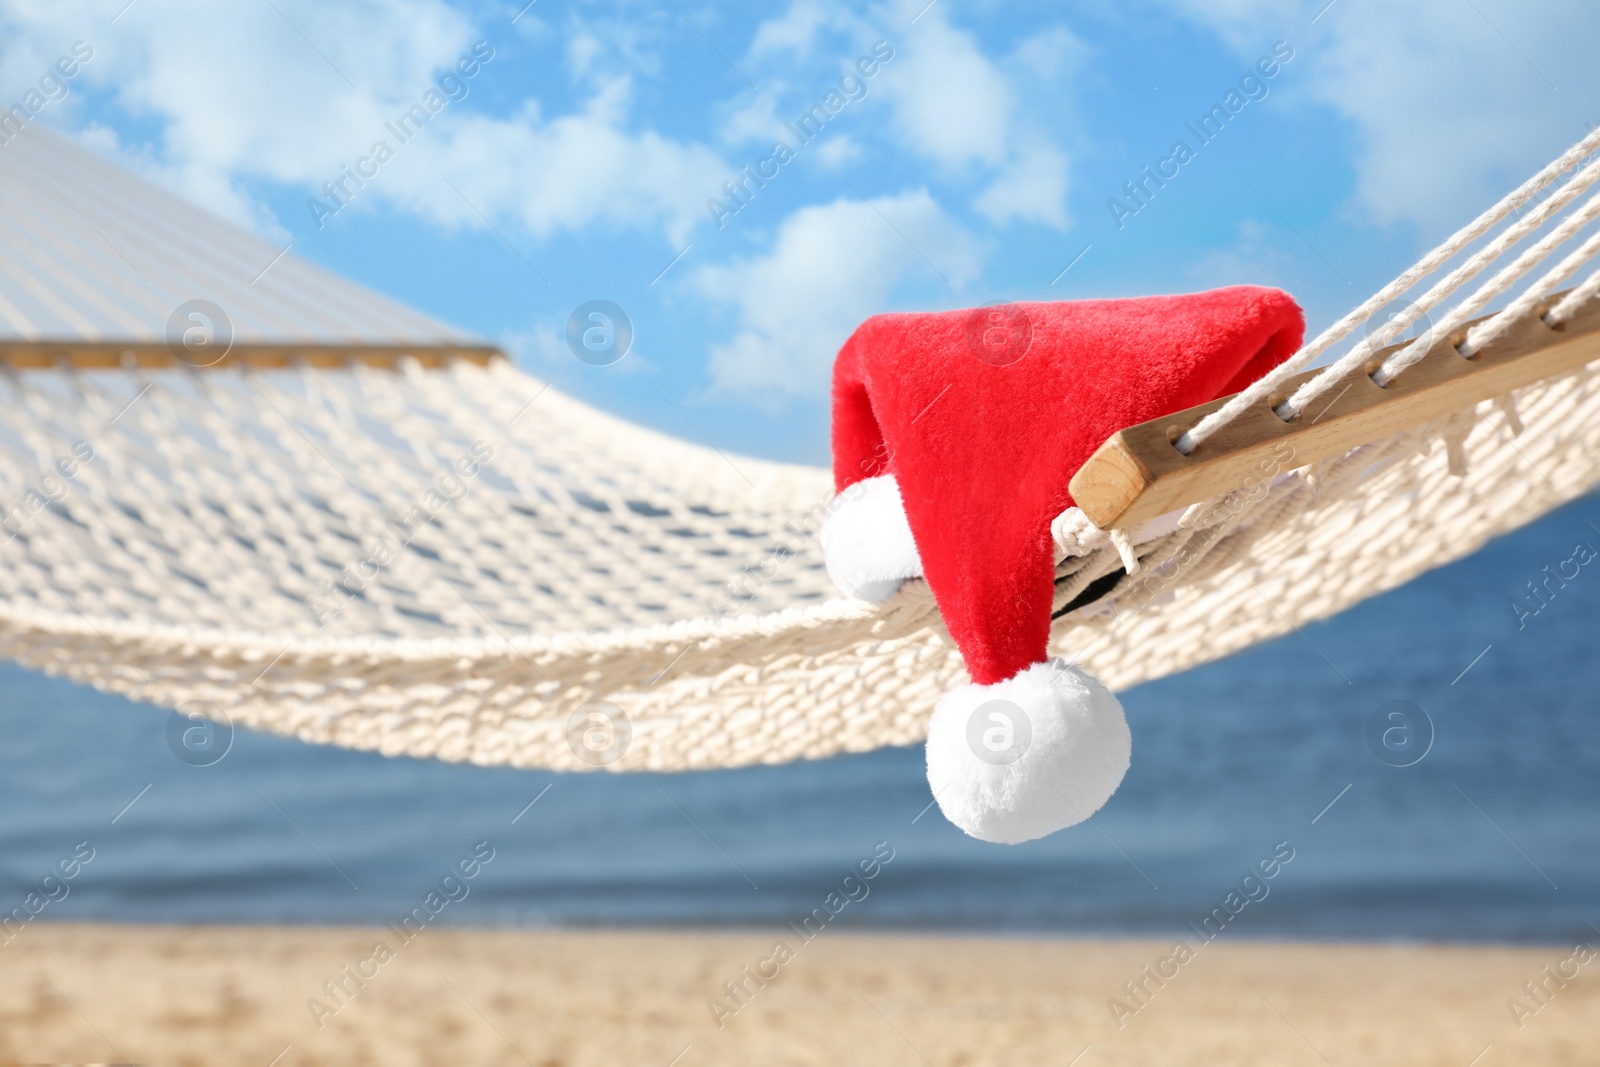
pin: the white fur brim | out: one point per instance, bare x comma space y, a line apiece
1028, 756
867, 543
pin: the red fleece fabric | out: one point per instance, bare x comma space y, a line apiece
983, 447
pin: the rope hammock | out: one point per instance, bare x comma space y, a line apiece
437, 555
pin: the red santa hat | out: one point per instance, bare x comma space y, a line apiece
954, 437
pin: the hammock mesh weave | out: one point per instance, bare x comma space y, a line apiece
457, 563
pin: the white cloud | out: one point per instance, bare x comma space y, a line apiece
1050, 54
831, 266
1032, 188
1453, 104
242, 94
951, 103
796, 29
568, 173
956, 107
1452, 114
1248, 24
582, 51
838, 152
753, 119
980, 121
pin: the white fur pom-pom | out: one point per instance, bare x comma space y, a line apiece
867, 543
1036, 753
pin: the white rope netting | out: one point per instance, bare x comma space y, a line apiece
458, 563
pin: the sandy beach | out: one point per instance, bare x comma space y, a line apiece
83, 993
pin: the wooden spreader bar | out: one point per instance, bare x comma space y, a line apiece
158, 355
1137, 474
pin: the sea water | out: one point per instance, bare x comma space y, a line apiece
1474, 815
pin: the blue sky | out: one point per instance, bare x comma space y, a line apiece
975, 163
